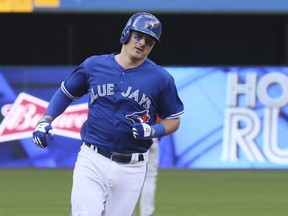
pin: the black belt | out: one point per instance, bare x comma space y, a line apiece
117, 157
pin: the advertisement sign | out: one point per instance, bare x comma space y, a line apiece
235, 118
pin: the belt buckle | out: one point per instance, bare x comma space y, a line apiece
118, 159
111, 157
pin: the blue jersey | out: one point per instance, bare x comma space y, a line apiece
119, 97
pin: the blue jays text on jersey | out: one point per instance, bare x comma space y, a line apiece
116, 94
108, 89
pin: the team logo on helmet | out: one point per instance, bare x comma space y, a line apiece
138, 117
151, 25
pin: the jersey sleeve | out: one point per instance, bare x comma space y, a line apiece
76, 84
170, 105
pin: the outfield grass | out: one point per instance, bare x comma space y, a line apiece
35, 192
179, 193
222, 193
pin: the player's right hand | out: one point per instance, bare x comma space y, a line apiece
42, 129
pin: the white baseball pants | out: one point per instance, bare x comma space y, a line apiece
102, 187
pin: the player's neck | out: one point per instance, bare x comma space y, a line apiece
127, 61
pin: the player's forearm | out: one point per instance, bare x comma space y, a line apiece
170, 125
45, 116
57, 105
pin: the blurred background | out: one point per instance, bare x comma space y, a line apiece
228, 57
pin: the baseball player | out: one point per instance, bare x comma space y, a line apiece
126, 92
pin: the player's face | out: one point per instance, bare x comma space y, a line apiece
139, 45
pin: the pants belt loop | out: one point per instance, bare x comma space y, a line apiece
134, 158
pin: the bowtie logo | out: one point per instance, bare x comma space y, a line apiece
21, 117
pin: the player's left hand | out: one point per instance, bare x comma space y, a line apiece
142, 131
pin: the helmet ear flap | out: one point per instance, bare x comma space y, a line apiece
125, 36
126, 32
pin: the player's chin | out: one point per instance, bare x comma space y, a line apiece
138, 56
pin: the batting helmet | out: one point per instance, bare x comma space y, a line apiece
142, 22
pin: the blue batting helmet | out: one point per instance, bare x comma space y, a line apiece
142, 22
